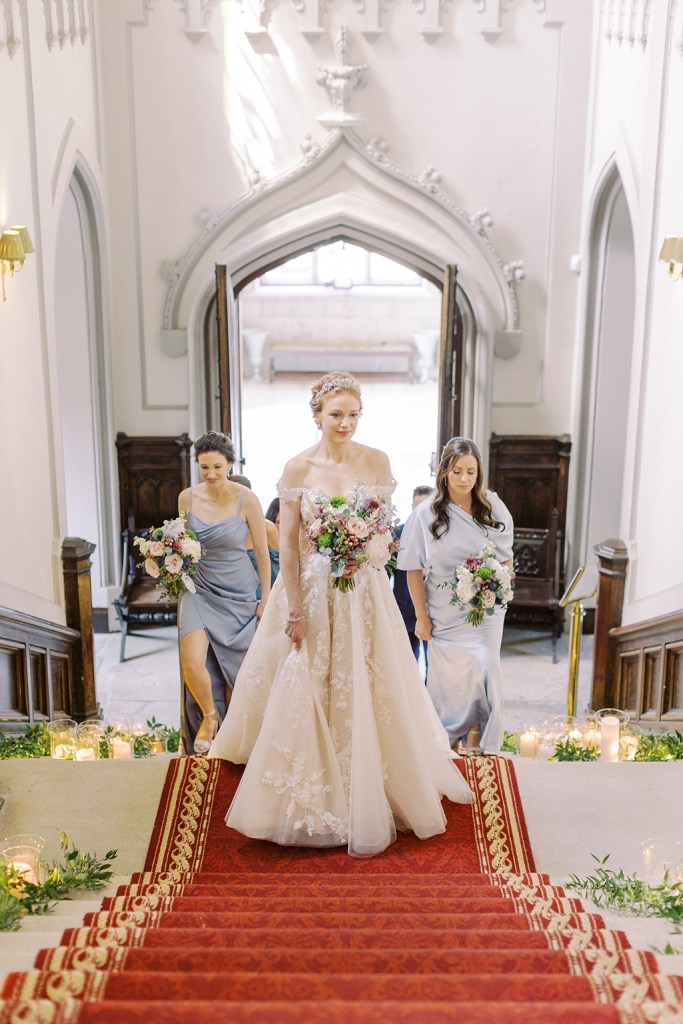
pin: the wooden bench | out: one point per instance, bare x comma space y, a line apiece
389, 358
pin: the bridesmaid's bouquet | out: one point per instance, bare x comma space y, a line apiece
356, 528
481, 584
171, 553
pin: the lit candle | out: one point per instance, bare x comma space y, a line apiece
528, 744
122, 750
85, 754
25, 869
609, 738
65, 751
628, 745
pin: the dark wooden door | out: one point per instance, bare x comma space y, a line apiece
450, 363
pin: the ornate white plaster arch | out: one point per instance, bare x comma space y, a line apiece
345, 188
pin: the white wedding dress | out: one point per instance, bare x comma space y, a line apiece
341, 742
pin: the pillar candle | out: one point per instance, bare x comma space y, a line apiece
85, 754
609, 738
528, 744
122, 750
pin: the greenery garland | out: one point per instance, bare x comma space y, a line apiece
36, 741
666, 746
79, 870
613, 890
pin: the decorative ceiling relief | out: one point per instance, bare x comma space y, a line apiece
10, 43
197, 17
432, 12
341, 81
311, 12
492, 11
372, 11
627, 21
65, 22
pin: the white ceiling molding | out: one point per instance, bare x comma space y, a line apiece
372, 11
10, 42
341, 81
345, 188
312, 13
493, 17
432, 12
552, 12
627, 21
197, 16
65, 22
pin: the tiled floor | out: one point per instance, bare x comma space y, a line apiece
147, 683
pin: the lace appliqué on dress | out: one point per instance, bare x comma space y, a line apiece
306, 796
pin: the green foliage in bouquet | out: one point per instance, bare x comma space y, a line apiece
613, 890
509, 745
78, 870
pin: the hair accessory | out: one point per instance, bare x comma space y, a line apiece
333, 385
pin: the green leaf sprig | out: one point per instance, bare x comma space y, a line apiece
614, 890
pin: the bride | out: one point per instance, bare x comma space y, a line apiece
329, 713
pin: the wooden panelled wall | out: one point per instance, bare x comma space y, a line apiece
638, 668
36, 669
152, 473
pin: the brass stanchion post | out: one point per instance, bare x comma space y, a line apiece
576, 629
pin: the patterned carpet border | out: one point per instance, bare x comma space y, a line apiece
197, 792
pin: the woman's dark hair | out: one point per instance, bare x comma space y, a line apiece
214, 441
273, 509
481, 507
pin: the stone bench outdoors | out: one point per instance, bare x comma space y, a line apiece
395, 358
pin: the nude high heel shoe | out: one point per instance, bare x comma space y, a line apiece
202, 744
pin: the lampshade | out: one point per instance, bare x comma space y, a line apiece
667, 250
677, 250
25, 237
11, 248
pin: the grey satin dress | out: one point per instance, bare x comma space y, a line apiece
224, 606
464, 673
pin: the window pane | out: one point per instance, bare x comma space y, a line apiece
385, 271
296, 271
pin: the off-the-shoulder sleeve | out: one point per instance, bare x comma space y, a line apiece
286, 494
413, 552
504, 537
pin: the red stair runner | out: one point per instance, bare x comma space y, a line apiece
458, 928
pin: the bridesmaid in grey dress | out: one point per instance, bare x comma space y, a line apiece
463, 675
217, 623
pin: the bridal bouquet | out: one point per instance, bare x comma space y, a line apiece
481, 583
355, 528
171, 553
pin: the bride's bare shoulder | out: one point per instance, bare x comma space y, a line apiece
294, 473
377, 465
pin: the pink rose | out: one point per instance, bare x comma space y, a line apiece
173, 563
315, 529
156, 548
489, 599
151, 568
358, 527
377, 550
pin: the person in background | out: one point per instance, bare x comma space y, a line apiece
272, 536
401, 592
464, 674
273, 512
217, 623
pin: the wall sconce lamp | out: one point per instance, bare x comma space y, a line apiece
15, 246
672, 253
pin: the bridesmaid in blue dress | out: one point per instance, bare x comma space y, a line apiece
463, 674
217, 623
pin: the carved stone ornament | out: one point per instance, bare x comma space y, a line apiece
10, 42
378, 148
627, 21
341, 81
197, 15
482, 220
492, 11
514, 271
432, 12
372, 11
70, 26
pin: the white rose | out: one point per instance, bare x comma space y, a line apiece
151, 568
488, 599
173, 563
377, 549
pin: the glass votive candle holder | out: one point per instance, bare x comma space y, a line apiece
610, 721
62, 733
547, 741
527, 742
157, 742
588, 731
629, 738
122, 743
23, 853
662, 860
88, 736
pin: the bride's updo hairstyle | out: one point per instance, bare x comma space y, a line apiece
333, 383
481, 506
214, 441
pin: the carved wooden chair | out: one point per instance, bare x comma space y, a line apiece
537, 561
139, 605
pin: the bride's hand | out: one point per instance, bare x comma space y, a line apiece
350, 569
296, 630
